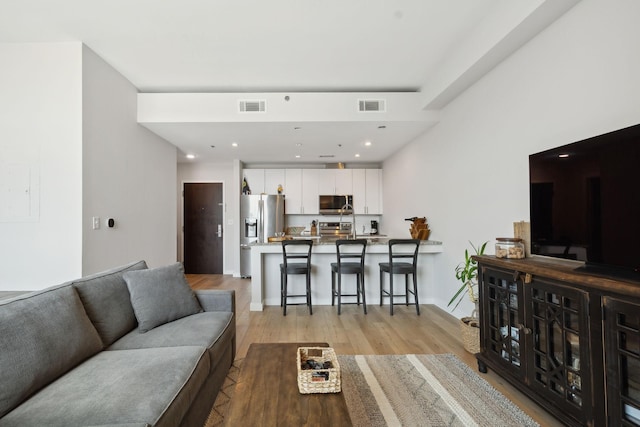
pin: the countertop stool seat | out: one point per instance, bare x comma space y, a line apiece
354, 250
401, 250
300, 252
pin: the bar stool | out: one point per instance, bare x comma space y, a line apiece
399, 250
354, 250
295, 250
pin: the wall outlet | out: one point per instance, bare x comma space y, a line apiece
96, 222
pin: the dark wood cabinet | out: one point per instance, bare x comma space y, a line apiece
569, 340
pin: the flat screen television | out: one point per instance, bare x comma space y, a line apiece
585, 203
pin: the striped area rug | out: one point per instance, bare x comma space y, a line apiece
422, 390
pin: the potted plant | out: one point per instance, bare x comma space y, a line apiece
467, 274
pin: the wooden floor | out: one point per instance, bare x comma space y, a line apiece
434, 331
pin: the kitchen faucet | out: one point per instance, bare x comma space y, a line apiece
353, 218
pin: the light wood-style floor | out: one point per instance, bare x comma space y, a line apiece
353, 332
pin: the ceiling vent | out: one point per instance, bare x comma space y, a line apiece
367, 105
252, 105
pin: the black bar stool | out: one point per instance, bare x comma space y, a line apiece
354, 250
399, 251
295, 250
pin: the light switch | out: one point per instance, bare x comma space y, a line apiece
96, 222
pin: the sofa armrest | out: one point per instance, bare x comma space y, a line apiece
217, 299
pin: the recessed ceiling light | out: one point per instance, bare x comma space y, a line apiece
297, 128
190, 156
298, 144
234, 144
298, 156
357, 155
367, 143
563, 156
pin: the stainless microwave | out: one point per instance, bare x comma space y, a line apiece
333, 205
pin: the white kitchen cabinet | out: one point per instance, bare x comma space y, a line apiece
310, 191
255, 179
293, 191
335, 181
273, 178
367, 191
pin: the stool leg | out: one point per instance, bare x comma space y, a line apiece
415, 293
391, 292
406, 290
358, 289
339, 292
333, 287
309, 292
284, 294
364, 297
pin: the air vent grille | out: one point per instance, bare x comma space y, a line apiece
252, 105
368, 105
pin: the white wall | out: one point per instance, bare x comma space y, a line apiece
469, 174
41, 124
129, 174
221, 173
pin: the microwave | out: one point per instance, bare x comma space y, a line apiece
332, 205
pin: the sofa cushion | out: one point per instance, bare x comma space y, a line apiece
160, 295
212, 330
154, 386
106, 299
42, 335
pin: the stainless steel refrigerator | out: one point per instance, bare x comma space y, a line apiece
261, 216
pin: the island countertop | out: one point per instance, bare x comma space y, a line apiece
267, 257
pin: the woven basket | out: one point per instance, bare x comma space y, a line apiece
318, 380
470, 334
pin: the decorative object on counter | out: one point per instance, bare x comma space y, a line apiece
318, 370
314, 228
522, 230
294, 231
374, 227
280, 190
419, 228
245, 187
509, 247
467, 273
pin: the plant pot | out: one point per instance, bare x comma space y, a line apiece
470, 328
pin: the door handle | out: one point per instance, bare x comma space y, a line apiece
219, 230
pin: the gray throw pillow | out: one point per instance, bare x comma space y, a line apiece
160, 295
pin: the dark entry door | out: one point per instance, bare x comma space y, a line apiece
203, 208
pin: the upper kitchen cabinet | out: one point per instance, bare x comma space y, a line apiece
255, 180
310, 191
272, 179
367, 191
293, 191
335, 181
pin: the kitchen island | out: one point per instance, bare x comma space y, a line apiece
267, 257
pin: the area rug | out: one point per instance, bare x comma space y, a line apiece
407, 390
423, 390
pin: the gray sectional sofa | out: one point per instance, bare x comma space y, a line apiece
127, 347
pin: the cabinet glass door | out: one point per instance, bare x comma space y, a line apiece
622, 335
503, 319
558, 320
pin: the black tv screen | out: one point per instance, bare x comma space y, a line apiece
585, 202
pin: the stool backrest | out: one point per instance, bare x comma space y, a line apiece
403, 250
351, 249
297, 250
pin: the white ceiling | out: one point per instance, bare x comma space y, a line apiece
435, 47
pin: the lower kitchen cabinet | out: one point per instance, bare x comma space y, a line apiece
568, 340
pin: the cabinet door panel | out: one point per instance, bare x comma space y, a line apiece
558, 320
310, 182
273, 178
293, 191
622, 340
374, 191
359, 191
255, 179
502, 318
